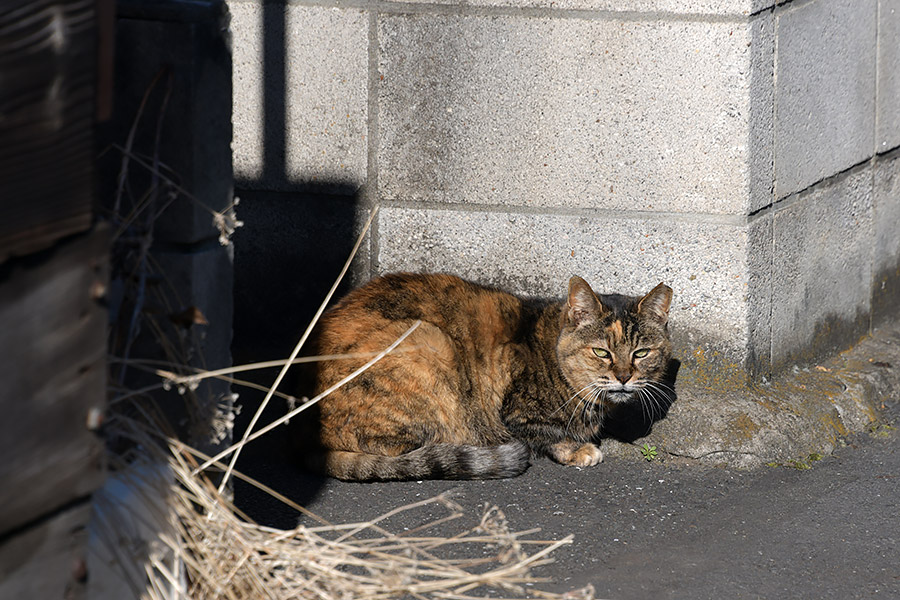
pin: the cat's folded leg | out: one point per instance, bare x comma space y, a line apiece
575, 454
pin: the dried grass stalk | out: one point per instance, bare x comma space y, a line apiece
212, 551
227, 555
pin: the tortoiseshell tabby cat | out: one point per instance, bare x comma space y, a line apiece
484, 382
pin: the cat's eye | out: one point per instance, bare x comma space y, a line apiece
601, 353
641, 353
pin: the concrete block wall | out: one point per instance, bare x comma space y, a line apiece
173, 104
742, 151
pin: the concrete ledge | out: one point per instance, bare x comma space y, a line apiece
806, 412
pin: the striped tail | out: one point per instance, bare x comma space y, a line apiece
440, 461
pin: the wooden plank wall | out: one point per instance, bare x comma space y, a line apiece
53, 277
48, 63
53, 369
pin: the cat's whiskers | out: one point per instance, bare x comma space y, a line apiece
663, 388
585, 405
666, 393
655, 404
597, 408
580, 408
590, 406
588, 409
645, 409
659, 400
645, 400
658, 397
580, 404
589, 386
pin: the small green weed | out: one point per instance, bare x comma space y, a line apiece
882, 430
649, 452
801, 464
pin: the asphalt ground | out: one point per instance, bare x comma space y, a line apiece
659, 529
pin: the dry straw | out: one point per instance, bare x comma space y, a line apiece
209, 549
221, 553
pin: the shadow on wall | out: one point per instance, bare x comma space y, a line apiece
288, 253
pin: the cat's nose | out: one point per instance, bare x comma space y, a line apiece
623, 377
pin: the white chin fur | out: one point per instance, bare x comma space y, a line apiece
621, 393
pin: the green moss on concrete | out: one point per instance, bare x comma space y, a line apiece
743, 427
723, 416
710, 371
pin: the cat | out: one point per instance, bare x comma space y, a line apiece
486, 381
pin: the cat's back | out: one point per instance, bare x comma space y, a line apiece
443, 300
430, 408
461, 322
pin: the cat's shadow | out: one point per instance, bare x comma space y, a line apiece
630, 422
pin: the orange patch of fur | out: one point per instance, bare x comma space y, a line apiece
618, 334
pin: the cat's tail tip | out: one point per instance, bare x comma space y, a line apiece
497, 462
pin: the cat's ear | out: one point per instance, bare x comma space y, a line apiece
656, 304
582, 305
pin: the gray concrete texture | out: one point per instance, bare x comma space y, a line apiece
546, 112
886, 268
324, 67
822, 269
709, 7
824, 91
887, 135
741, 151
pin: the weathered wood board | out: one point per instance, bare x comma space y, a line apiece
47, 69
47, 560
53, 369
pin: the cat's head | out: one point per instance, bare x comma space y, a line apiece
612, 347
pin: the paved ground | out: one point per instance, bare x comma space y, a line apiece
667, 529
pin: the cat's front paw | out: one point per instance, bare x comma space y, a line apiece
587, 456
576, 455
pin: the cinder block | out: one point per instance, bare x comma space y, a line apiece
888, 117
287, 255
886, 281
201, 280
825, 90
191, 104
648, 115
706, 261
716, 7
758, 296
822, 269
300, 95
